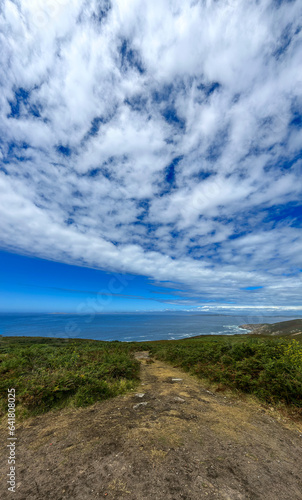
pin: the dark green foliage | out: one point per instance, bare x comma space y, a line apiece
55, 373
270, 368
50, 373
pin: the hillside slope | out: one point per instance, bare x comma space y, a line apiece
291, 328
172, 439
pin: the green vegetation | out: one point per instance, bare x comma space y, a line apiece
55, 373
50, 373
291, 328
270, 368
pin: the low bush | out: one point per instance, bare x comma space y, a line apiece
270, 368
55, 374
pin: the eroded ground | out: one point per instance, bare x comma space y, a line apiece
171, 439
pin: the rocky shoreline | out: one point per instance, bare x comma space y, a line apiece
283, 328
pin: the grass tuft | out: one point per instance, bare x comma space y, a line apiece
269, 368
50, 373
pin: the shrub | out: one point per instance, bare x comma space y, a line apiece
51, 374
270, 368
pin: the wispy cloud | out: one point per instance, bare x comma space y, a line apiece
161, 138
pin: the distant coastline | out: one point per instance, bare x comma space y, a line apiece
283, 328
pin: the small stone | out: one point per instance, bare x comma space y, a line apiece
139, 395
176, 379
139, 404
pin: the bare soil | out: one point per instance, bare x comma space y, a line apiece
171, 439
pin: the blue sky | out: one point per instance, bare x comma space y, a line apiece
157, 140
36, 285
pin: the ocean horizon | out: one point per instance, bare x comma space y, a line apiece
129, 327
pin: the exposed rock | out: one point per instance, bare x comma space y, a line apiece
139, 404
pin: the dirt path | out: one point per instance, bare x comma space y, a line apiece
172, 439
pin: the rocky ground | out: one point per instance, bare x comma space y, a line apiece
172, 439
291, 328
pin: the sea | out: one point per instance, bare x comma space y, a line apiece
129, 327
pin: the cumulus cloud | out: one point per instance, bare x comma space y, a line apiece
161, 139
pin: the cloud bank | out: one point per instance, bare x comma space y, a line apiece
156, 138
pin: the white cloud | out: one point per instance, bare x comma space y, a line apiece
97, 101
